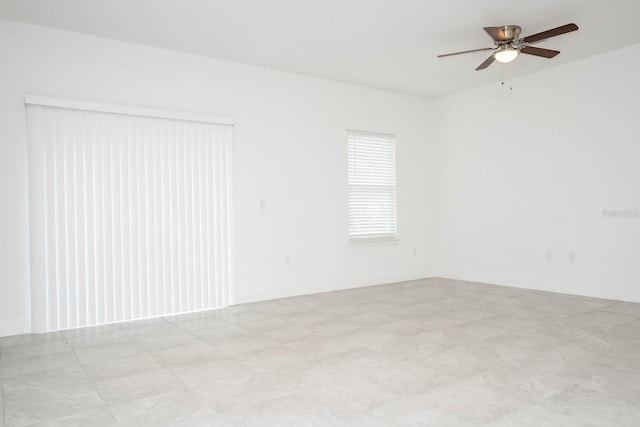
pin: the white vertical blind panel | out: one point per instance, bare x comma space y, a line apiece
129, 216
372, 186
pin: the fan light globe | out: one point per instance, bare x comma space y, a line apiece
506, 55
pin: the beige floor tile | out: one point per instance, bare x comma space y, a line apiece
582, 352
532, 384
624, 307
513, 321
621, 384
95, 418
419, 309
15, 353
266, 325
627, 345
631, 330
291, 333
248, 388
391, 373
600, 320
558, 331
287, 411
98, 370
137, 386
334, 326
474, 401
206, 372
348, 396
493, 351
343, 310
458, 362
270, 358
479, 330
413, 347
162, 342
366, 336
243, 344
319, 346
217, 334
37, 364
159, 328
170, 408
416, 411
198, 352
535, 416
115, 336
406, 326
18, 340
193, 324
48, 396
107, 353
593, 407
303, 318
558, 308
229, 394
435, 351
369, 318
241, 317
530, 340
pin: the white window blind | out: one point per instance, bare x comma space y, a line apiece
372, 186
129, 215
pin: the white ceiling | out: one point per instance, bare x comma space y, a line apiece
387, 44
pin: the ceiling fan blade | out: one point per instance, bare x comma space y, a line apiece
537, 51
486, 63
550, 33
465, 51
504, 33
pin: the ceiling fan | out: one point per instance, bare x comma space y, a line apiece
508, 44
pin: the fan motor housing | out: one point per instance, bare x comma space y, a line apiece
510, 33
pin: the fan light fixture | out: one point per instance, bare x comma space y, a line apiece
506, 54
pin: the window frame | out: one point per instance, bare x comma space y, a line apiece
381, 185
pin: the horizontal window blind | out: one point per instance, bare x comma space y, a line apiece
372, 186
129, 216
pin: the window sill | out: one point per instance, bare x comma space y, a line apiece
374, 240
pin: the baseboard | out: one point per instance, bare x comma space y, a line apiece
580, 289
15, 328
324, 286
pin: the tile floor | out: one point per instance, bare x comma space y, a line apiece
428, 352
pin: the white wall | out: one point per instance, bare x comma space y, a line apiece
289, 150
529, 172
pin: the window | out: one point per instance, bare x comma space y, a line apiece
372, 186
130, 213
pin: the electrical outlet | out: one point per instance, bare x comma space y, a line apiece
549, 256
415, 250
572, 257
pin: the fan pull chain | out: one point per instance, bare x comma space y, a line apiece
509, 72
510, 77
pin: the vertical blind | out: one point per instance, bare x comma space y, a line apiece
372, 186
129, 216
